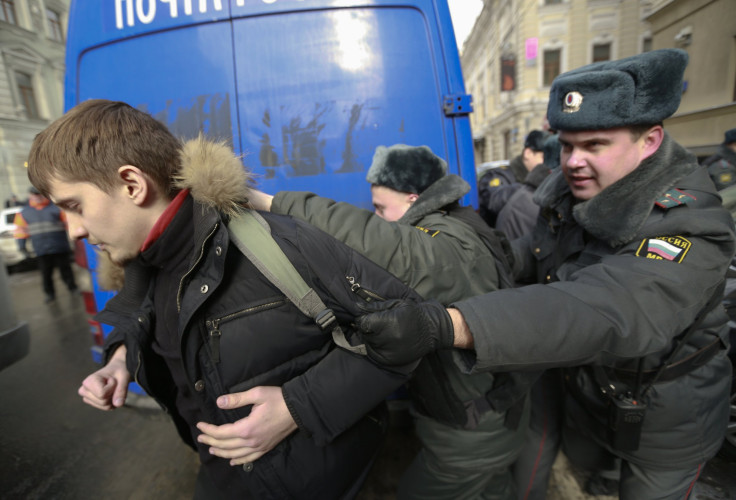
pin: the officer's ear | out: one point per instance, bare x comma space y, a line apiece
650, 141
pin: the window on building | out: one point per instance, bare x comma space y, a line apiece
601, 52
7, 11
54, 20
508, 73
26, 94
646, 44
551, 66
551, 2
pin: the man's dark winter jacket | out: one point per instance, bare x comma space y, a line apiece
238, 331
442, 258
627, 271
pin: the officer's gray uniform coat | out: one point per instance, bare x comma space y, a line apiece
627, 272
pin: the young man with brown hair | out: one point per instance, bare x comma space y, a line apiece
274, 409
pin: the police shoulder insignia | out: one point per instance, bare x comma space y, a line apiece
674, 198
673, 248
430, 232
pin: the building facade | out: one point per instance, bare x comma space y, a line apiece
516, 49
32, 35
706, 29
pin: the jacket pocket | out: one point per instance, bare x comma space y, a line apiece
213, 325
364, 293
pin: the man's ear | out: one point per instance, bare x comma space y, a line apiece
651, 140
134, 183
412, 198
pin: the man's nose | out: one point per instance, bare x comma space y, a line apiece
75, 228
575, 159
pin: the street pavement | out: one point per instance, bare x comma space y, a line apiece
55, 447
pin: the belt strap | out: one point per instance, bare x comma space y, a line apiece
673, 371
669, 369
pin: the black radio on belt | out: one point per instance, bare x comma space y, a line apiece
625, 421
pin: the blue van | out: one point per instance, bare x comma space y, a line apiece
304, 90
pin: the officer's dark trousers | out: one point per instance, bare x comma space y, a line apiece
636, 482
47, 263
547, 432
534, 465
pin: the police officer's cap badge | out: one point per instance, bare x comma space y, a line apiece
572, 103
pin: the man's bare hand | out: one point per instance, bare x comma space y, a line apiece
251, 437
107, 388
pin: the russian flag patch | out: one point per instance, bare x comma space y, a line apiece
672, 248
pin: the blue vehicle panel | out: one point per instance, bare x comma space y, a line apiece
304, 90
315, 126
175, 75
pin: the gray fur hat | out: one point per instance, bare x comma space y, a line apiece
409, 169
552, 148
640, 90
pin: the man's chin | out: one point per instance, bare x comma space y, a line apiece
118, 260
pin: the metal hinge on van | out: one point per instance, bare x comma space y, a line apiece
458, 104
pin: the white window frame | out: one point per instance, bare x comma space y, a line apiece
22, 60
563, 60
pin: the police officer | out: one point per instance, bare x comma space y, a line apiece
630, 251
497, 185
722, 165
417, 234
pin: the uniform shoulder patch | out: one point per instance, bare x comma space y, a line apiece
672, 248
674, 198
430, 232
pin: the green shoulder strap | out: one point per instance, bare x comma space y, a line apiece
252, 235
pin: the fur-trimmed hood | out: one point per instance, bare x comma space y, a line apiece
446, 190
215, 178
619, 211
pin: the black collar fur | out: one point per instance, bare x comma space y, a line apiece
444, 191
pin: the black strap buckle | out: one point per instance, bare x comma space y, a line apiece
325, 319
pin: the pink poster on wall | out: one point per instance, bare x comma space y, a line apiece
531, 48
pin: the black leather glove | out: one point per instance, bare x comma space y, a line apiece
402, 332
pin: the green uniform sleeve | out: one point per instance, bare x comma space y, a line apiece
436, 260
